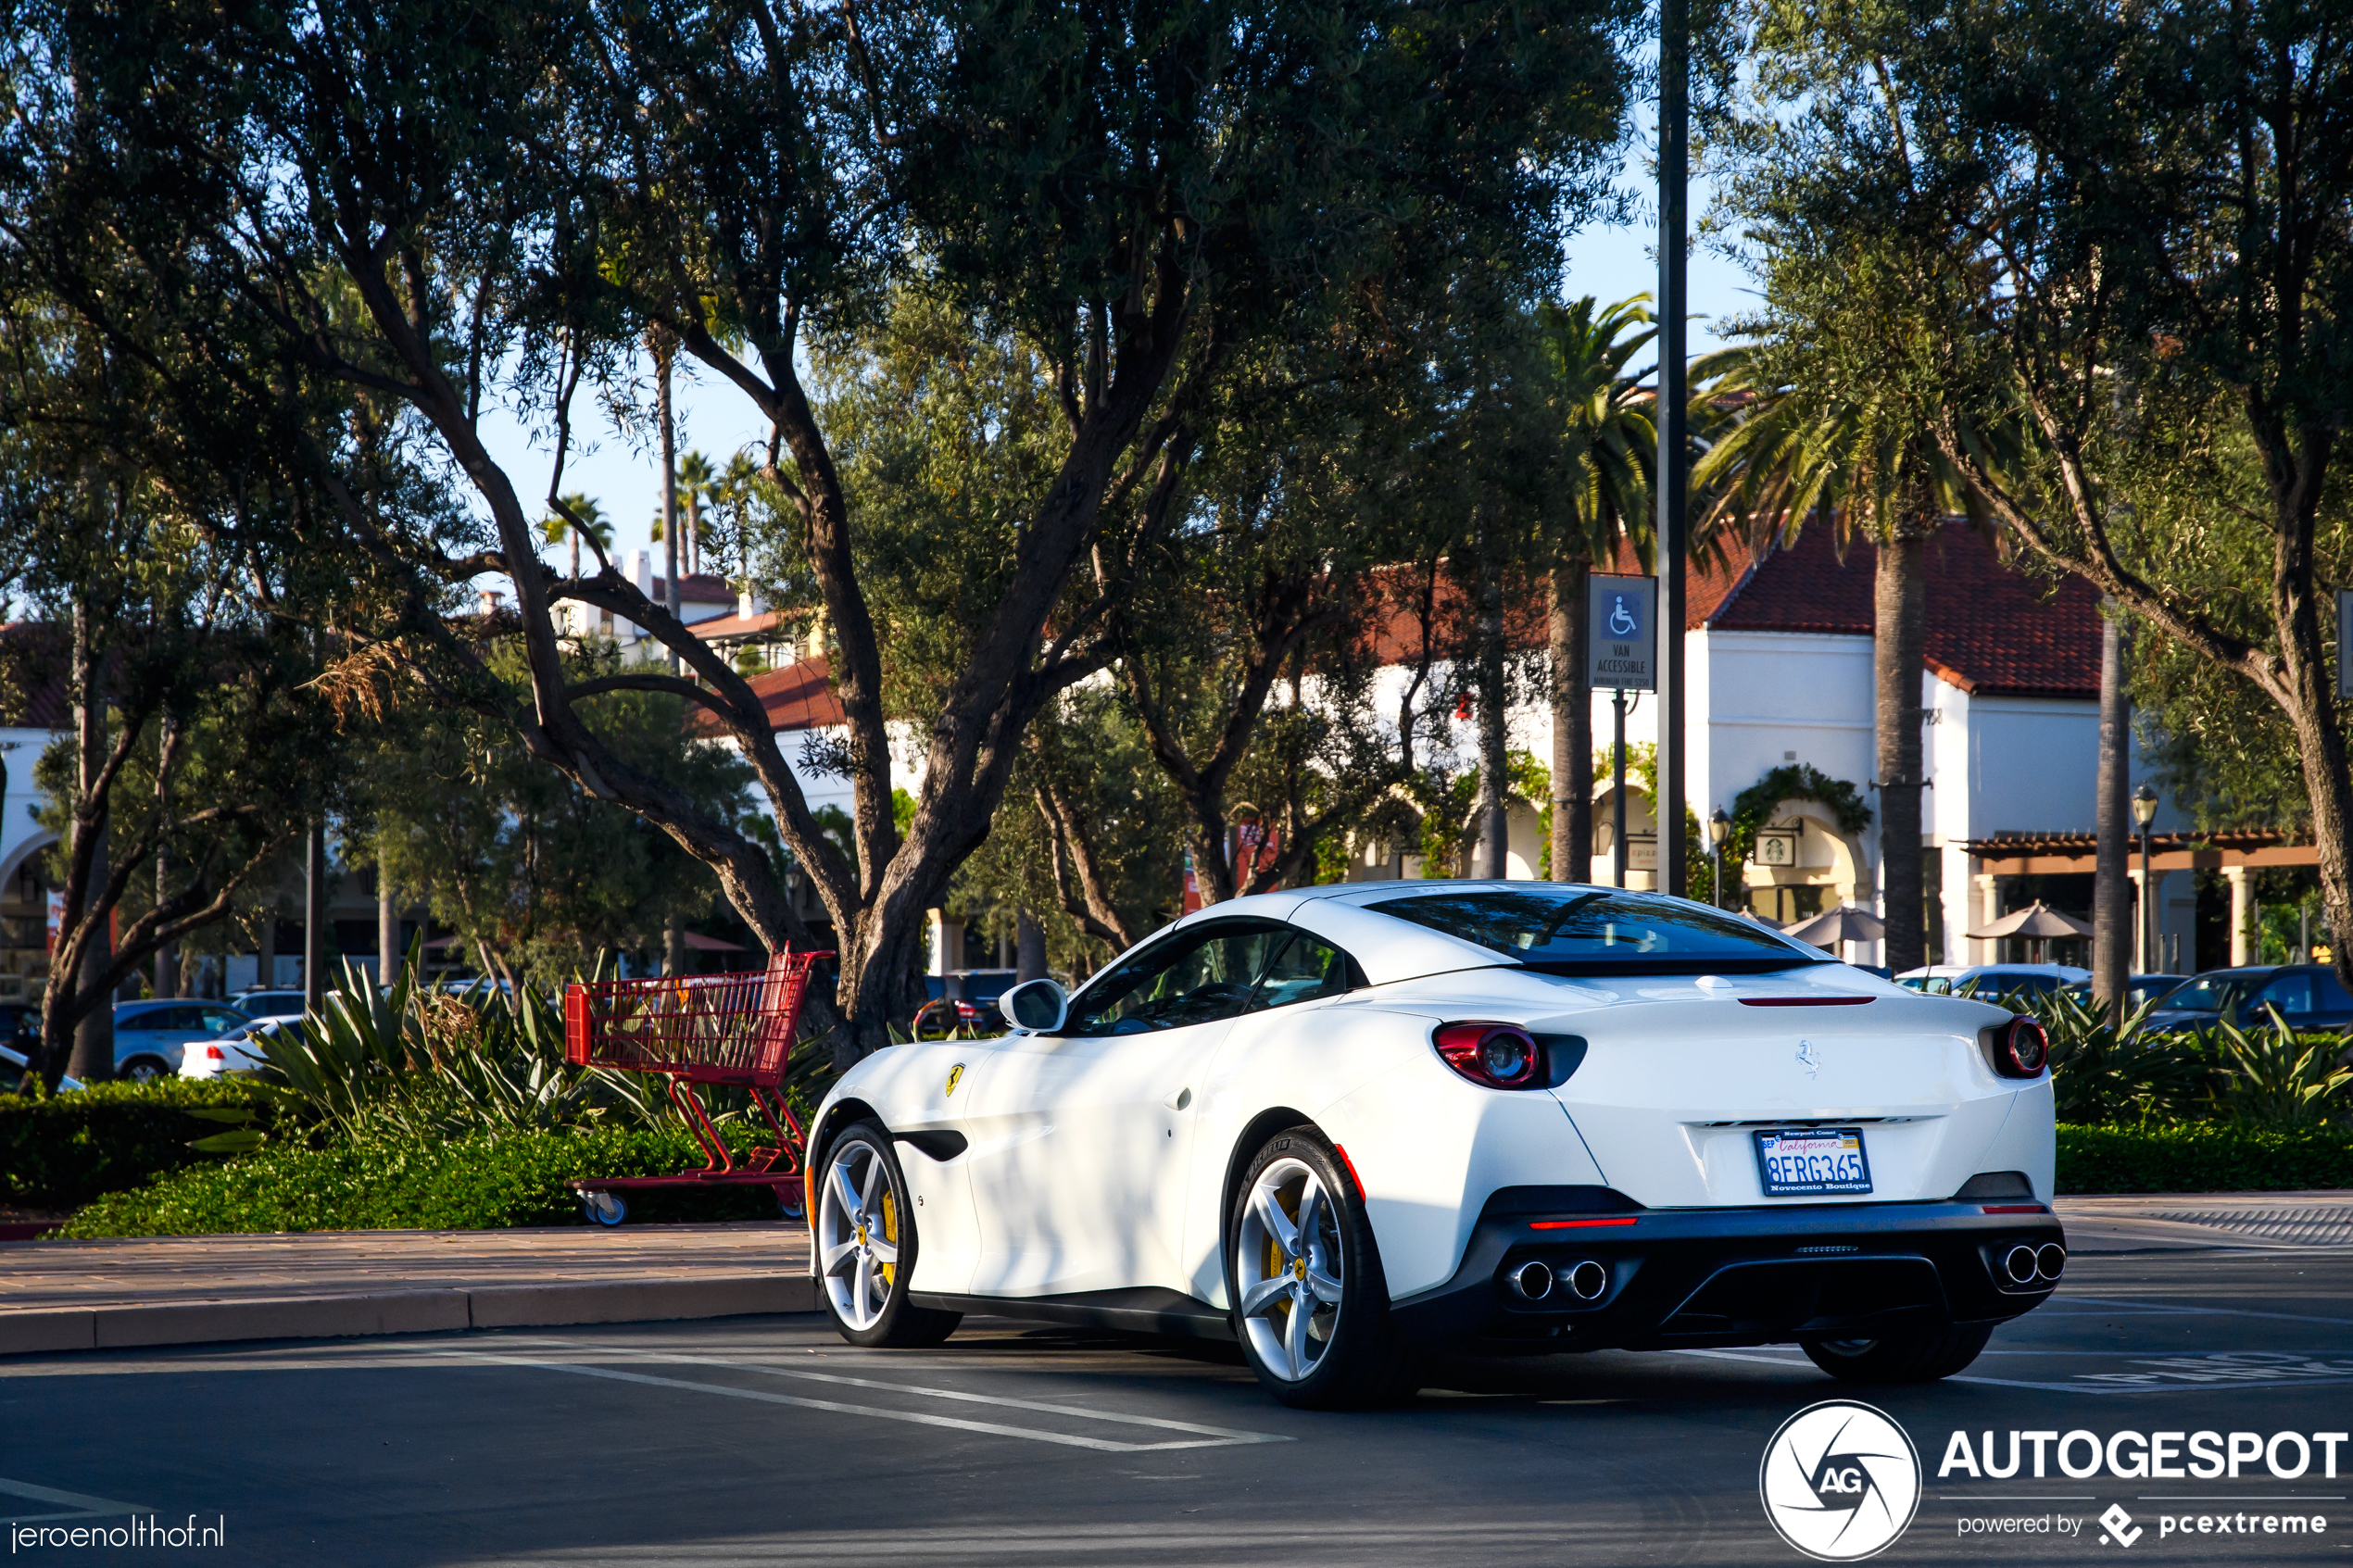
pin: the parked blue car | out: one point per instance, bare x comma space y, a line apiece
149, 1036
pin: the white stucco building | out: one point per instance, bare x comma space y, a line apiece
1779, 673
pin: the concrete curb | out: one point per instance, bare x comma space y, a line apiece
125, 1325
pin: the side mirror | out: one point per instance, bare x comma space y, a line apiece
1036, 1005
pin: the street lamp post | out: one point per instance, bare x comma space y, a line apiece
1674, 447
2144, 813
1720, 828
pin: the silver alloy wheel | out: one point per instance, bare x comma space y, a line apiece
858, 1234
1287, 1268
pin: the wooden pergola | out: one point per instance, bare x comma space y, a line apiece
2233, 854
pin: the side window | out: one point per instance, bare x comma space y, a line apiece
219, 1020
1196, 976
2291, 994
2332, 997
1306, 969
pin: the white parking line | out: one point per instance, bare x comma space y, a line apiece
80, 1504
1222, 1434
1221, 1439
2092, 1381
2201, 1311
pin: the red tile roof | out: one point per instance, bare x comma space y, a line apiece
35, 684
800, 696
1992, 628
701, 588
733, 625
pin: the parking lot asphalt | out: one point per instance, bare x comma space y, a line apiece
761, 1440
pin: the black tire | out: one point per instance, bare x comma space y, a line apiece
1912, 1358
1363, 1362
896, 1323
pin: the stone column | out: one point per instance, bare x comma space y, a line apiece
2242, 913
1984, 949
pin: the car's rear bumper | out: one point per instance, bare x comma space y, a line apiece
1729, 1276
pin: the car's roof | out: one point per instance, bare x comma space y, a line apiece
1388, 948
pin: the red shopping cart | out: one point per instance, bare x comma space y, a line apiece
695, 1029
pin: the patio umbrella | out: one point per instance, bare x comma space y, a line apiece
1848, 922
2038, 923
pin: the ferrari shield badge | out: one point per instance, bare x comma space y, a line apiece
955, 1075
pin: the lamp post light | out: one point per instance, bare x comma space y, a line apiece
2144, 813
1720, 828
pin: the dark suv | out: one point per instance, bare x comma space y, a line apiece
2308, 995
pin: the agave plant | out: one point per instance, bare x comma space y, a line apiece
409, 1060
2275, 1076
2101, 1072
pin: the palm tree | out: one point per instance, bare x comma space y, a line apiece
695, 483
1609, 450
1855, 454
592, 518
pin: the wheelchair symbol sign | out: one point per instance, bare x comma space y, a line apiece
1621, 612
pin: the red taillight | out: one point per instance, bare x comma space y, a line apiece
1497, 1056
214, 1053
2021, 1050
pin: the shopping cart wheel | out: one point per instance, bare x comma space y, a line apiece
604, 1208
792, 1203
867, 1244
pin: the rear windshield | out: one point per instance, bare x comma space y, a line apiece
1586, 930
2212, 993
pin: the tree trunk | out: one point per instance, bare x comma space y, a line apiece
2111, 879
1899, 657
265, 973
314, 917
167, 959
92, 1057
1495, 764
1572, 723
664, 354
674, 946
1029, 948
387, 930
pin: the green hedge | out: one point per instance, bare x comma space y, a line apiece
63, 1150
2202, 1156
488, 1181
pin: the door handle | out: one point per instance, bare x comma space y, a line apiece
1178, 1100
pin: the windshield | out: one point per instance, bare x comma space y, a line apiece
1588, 931
2212, 993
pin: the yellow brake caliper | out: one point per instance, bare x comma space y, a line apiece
890, 1233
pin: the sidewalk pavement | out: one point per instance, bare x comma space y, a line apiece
181, 1290
178, 1290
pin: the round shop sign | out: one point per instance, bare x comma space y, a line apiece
1840, 1481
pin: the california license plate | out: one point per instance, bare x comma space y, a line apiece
1813, 1162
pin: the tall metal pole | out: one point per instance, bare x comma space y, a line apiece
1674, 447
1617, 786
2149, 911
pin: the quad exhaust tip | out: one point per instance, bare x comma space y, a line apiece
2050, 1261
1532, 1281
1586, 1280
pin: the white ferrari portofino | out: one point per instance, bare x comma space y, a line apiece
1349, 1125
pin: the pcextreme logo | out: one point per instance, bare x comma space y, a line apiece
1840, 1481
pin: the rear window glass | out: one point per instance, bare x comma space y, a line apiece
1585, 930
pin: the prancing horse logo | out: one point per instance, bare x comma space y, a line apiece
955, 1075
1808, 1058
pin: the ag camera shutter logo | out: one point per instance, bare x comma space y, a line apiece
1840, 1481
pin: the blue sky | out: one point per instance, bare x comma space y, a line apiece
624, 476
